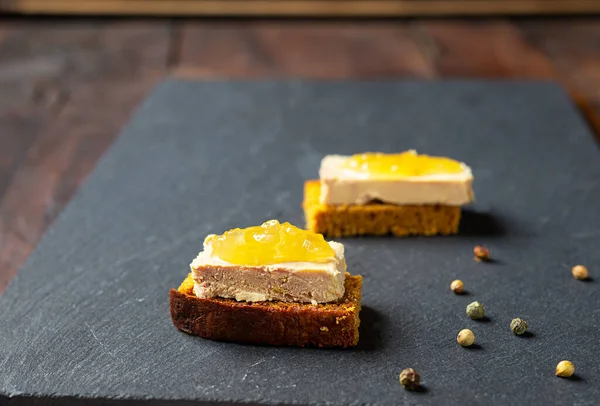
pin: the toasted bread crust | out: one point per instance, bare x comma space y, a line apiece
270, 323
376, 219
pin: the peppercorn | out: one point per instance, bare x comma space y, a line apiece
475, 311
565, 369
457, 286
518, 326
465, 337
410, 379
580, 272
481, 253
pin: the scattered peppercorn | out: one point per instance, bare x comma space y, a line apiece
518, 326
410, 379
481, 253
565, 369
475, 311
465, 337
457, 286
580, 272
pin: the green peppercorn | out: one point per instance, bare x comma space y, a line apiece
518, 326
475, 311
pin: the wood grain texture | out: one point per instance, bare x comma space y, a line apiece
487, 48
574, 51
101, 72
320, 8
300, 49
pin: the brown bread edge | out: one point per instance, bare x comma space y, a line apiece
271, 323
376, 219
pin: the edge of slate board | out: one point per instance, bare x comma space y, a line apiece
21, 398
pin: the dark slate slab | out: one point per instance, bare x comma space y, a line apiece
87, 317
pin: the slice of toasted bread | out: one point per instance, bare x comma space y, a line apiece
271, 323
376, 219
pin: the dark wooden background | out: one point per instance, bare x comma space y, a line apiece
303, 8
67, 86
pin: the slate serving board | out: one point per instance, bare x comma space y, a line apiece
87, 318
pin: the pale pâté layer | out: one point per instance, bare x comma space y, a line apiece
346, 203
305, 282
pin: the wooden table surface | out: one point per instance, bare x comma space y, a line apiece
67, 86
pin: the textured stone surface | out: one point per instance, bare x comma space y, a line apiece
88, 315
